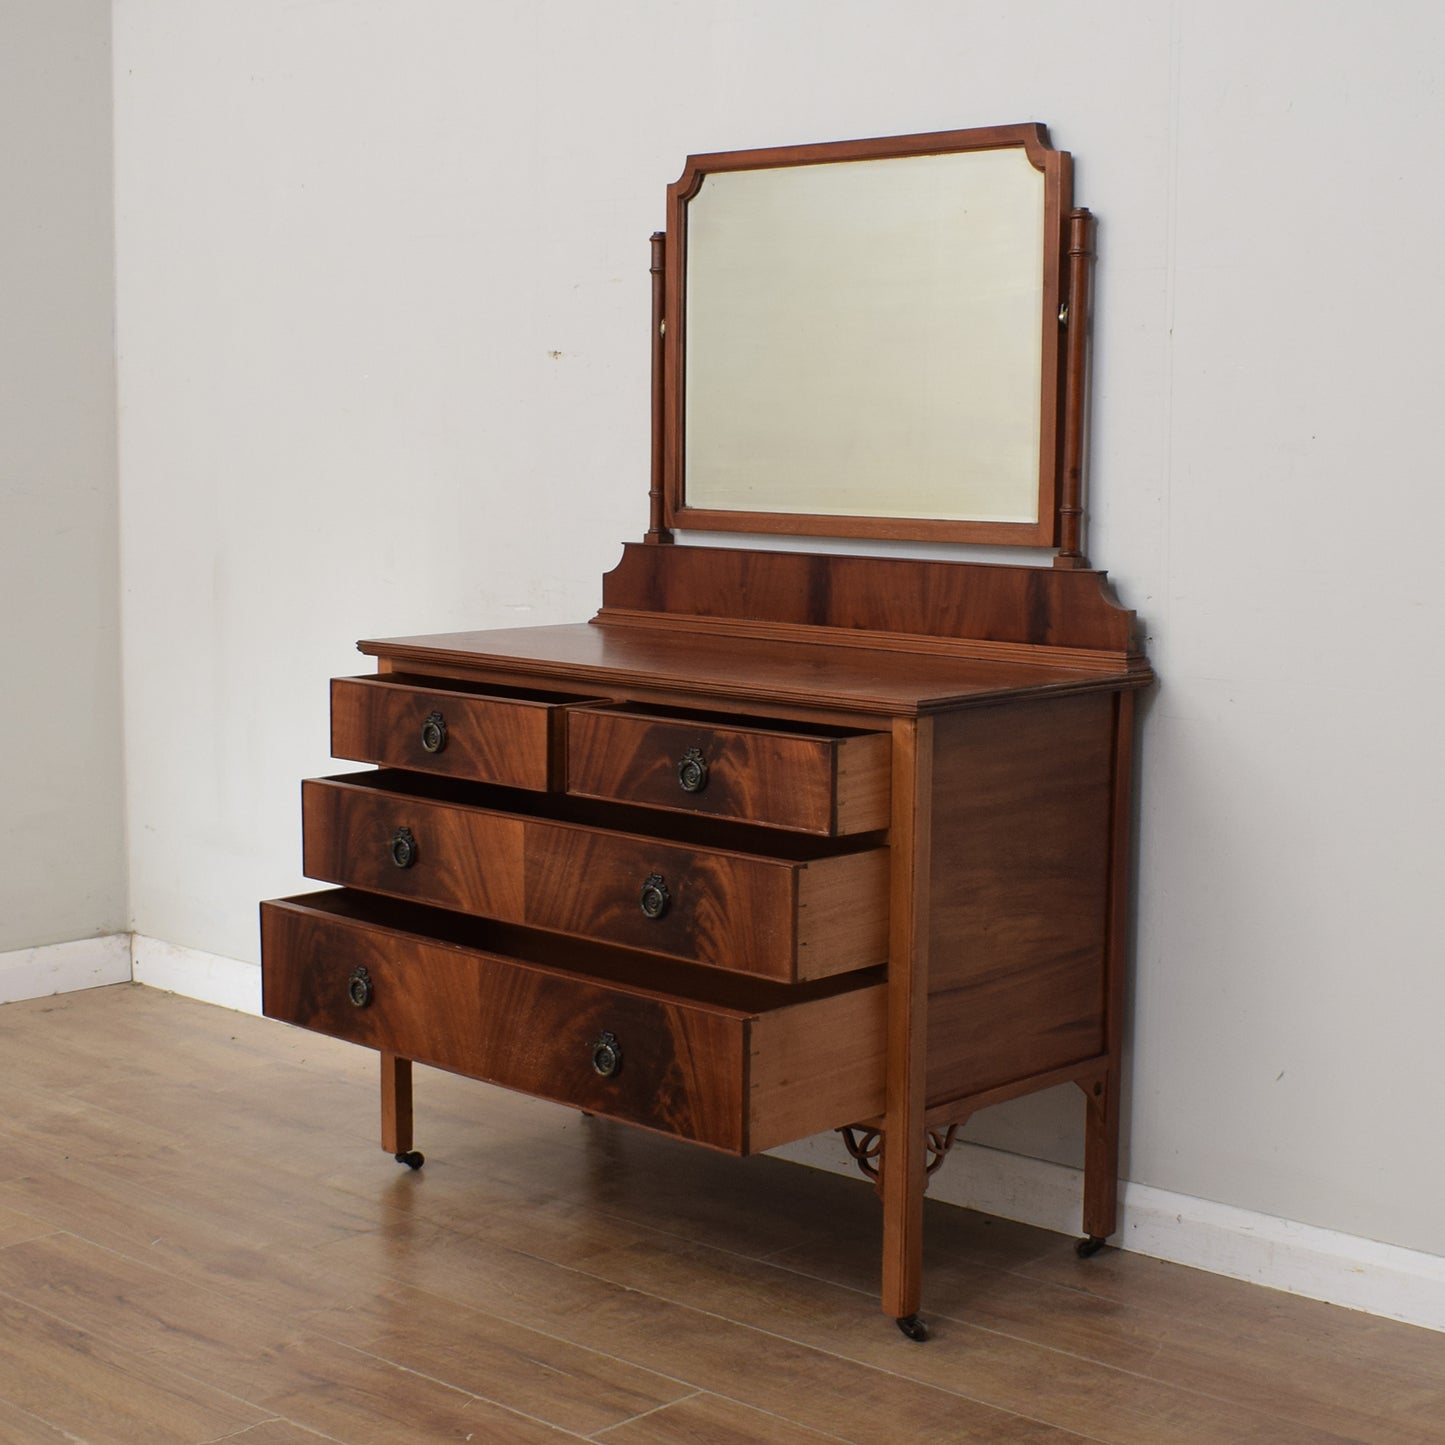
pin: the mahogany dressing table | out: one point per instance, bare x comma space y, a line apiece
781, 841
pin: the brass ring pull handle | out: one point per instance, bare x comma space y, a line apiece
606, 1055
358, 987
434, 732
692, 771
655, 896
403, 848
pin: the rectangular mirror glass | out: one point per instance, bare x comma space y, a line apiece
867, 344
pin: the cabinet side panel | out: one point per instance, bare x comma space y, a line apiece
1020, 891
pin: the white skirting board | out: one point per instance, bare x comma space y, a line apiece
64, 967
1381, 1279
1323, 1264
226, 982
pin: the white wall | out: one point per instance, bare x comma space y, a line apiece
63, 877
383, 364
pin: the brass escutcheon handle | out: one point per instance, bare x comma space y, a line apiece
358, 987
434, 732
606, 1054
655, 896
692, 771
403, 848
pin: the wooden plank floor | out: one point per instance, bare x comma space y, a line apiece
201, 1241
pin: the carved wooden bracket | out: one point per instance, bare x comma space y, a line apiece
866, 1147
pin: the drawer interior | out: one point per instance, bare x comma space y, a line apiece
468, 687
747, 722
699, 832
598, 962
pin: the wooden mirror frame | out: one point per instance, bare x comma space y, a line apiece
1067, 246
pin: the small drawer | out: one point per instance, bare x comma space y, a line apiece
488, 733
777, 905
735, 1064
806, 777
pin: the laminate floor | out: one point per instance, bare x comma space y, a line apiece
201, 1241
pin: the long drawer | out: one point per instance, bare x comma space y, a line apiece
779, 774
738, 1064
781, 907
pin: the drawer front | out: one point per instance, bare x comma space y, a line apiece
775, 918
814, 783
515, 740
720, 1076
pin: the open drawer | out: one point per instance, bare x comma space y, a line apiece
737, 1064
482, 731
780, 774
778, 905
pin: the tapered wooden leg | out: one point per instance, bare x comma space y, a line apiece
904, 1141
1101, 1129
1101, 1158
395, 1104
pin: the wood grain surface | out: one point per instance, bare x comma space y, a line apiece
811, 689
913, 599
815, 783
735, 1080
778, 917
1018, 940
902, 1179
200, 1242
803, 673
489, 736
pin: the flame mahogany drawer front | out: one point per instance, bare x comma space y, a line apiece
735, 1064
490, 734
783, 775
777, 905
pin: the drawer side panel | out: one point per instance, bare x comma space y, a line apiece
843, 914
816, 1066
863, 784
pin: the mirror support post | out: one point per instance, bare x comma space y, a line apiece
656, 531
1076, 322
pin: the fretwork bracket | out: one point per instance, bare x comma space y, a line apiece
866, 1147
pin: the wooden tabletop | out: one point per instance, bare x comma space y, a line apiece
811, 673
